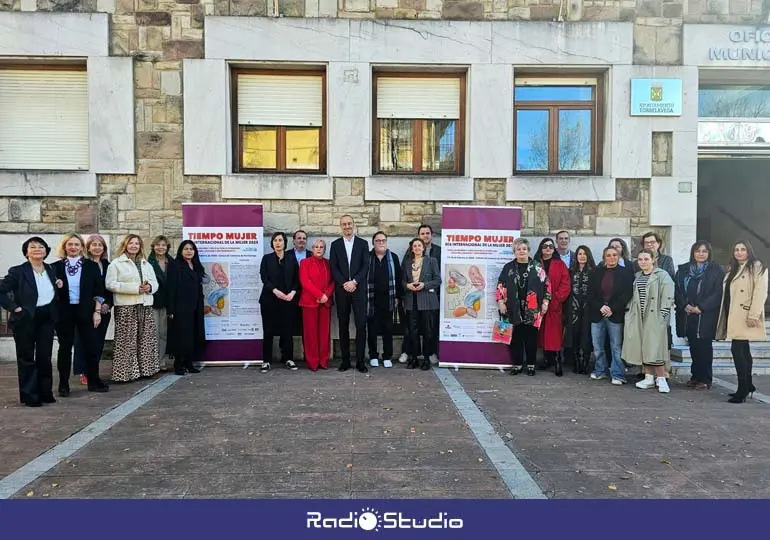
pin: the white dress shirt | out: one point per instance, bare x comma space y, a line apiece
45, 292
349, 247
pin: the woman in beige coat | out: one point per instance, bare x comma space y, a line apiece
645, 335
132, 280
742, 316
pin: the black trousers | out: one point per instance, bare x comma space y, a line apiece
71, 321
34, 342
278, 321
381, 324
405, 344
100, 334
702, 354
523, 344
743, 364
346, 303
421, 324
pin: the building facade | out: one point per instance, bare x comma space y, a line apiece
113, 113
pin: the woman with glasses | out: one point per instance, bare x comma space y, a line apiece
552, 329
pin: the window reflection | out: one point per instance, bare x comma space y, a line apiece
532, 146
396, 147
553, 93
438, 145
734, 102
574, 140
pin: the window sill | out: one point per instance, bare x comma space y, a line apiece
418, 188
47, 184
274, 186
560, 188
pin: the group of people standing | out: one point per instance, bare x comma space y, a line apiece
571, 306
300, 287
157, 305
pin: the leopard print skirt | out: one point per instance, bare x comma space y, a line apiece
135, 353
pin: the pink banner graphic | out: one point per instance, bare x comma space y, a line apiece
476, 242
230, 242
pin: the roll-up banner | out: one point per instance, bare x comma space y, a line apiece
476, 242
230, 243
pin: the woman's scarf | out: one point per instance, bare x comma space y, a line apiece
391, 282
696, 272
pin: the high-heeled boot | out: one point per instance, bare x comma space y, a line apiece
741, 365
558, 369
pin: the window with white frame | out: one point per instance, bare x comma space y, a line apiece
280, 121
44, 118
420, 123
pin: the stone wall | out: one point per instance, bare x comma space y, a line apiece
159, 34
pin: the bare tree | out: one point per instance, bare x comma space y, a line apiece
748, 103
574, 152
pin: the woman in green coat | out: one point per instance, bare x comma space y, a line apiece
645, 335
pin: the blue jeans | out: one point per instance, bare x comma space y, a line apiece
599, 333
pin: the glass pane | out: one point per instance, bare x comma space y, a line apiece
395, 145
574, 140
259, 148
303, 148
532, 140
734, 102
554, 93
438, 145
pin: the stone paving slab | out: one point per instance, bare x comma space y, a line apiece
588, 439
234, 433
27, 432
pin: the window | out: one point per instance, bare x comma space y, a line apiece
557, 126
44, 118
280, 121
722, 101
419, 124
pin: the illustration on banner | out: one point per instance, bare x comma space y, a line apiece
465, 290
216, 290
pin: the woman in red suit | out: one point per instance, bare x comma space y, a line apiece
552, 329
315, 276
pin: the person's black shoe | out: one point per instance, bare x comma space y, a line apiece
33, 404
531, 371
179, 372
425, 366
192, 369
360, 366
344, 366
516, 370
48, 399
558, 369
64, 392
412, 363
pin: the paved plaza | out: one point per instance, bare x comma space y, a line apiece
234, 433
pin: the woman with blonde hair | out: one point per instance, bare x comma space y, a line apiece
80, 302
132, 280
742, 315
96, 250
163, 264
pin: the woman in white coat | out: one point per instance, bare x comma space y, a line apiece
645, 335
742, 315
132, 280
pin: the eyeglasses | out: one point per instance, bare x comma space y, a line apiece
547, 246
380, 241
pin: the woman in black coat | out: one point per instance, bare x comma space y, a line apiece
577, 327
28, 292
698, 297
80, 308
186, 332
278, 301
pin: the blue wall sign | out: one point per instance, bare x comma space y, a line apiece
656, 97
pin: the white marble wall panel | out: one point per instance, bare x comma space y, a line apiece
206, 117
111, 115
670, 207
349, 118
699, 40
680, 239
418, 188
630, 137
277, 187
430, 42
290, 39
560, 188
54, 34
47, 184
685, 152
286, 39
554, 43
490, 120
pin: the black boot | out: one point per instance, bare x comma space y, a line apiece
425, 365
178, 366
752, 389
412, 363
557, 365
741, 368
188, 366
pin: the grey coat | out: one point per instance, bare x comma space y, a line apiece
645, 335
427, 299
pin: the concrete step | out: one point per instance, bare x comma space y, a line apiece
760, 350
682, 369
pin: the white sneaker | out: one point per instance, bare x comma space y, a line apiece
403, 359
434, 359
387, 363
596, 377
618, 382
662, 385
374, 362
646, 383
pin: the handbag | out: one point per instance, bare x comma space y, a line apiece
502, 331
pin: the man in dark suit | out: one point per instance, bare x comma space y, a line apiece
349, 259
295, 256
